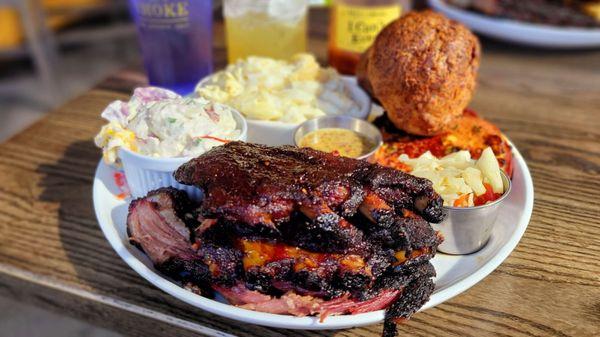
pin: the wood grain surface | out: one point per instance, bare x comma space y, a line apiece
53, 254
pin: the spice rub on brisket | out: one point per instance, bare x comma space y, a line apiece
294, 231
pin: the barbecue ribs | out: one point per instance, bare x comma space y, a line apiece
294, 231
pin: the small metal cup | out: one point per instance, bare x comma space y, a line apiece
342, 122
467, 229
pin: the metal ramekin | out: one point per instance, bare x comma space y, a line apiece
467, 229
343, 122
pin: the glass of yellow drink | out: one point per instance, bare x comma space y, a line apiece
270, 28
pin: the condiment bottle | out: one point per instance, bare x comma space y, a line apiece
354, 25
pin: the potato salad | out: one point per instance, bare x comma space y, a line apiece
273, 90
460, 180
159, 123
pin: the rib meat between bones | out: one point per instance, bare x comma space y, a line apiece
294, 231
265, 186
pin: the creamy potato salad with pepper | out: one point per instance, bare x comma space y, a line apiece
159, 123
274, 90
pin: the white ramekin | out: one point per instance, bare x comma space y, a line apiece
279, 133
145, 173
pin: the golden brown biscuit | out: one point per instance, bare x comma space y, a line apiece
422, 68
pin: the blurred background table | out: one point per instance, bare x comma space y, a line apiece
53, 254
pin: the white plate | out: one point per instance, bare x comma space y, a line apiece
522, 32
455, 273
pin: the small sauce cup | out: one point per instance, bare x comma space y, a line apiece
362, 127
467, 229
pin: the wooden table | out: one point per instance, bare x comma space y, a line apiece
53, 254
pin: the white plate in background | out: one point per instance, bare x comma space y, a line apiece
524, 33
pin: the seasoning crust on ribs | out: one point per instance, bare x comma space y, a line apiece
262, 185
295, 231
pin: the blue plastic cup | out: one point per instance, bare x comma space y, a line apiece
176, 40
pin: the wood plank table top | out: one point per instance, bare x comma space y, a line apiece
53, 254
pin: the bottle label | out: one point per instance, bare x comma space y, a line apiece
357, 26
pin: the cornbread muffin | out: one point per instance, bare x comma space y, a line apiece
422, 68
